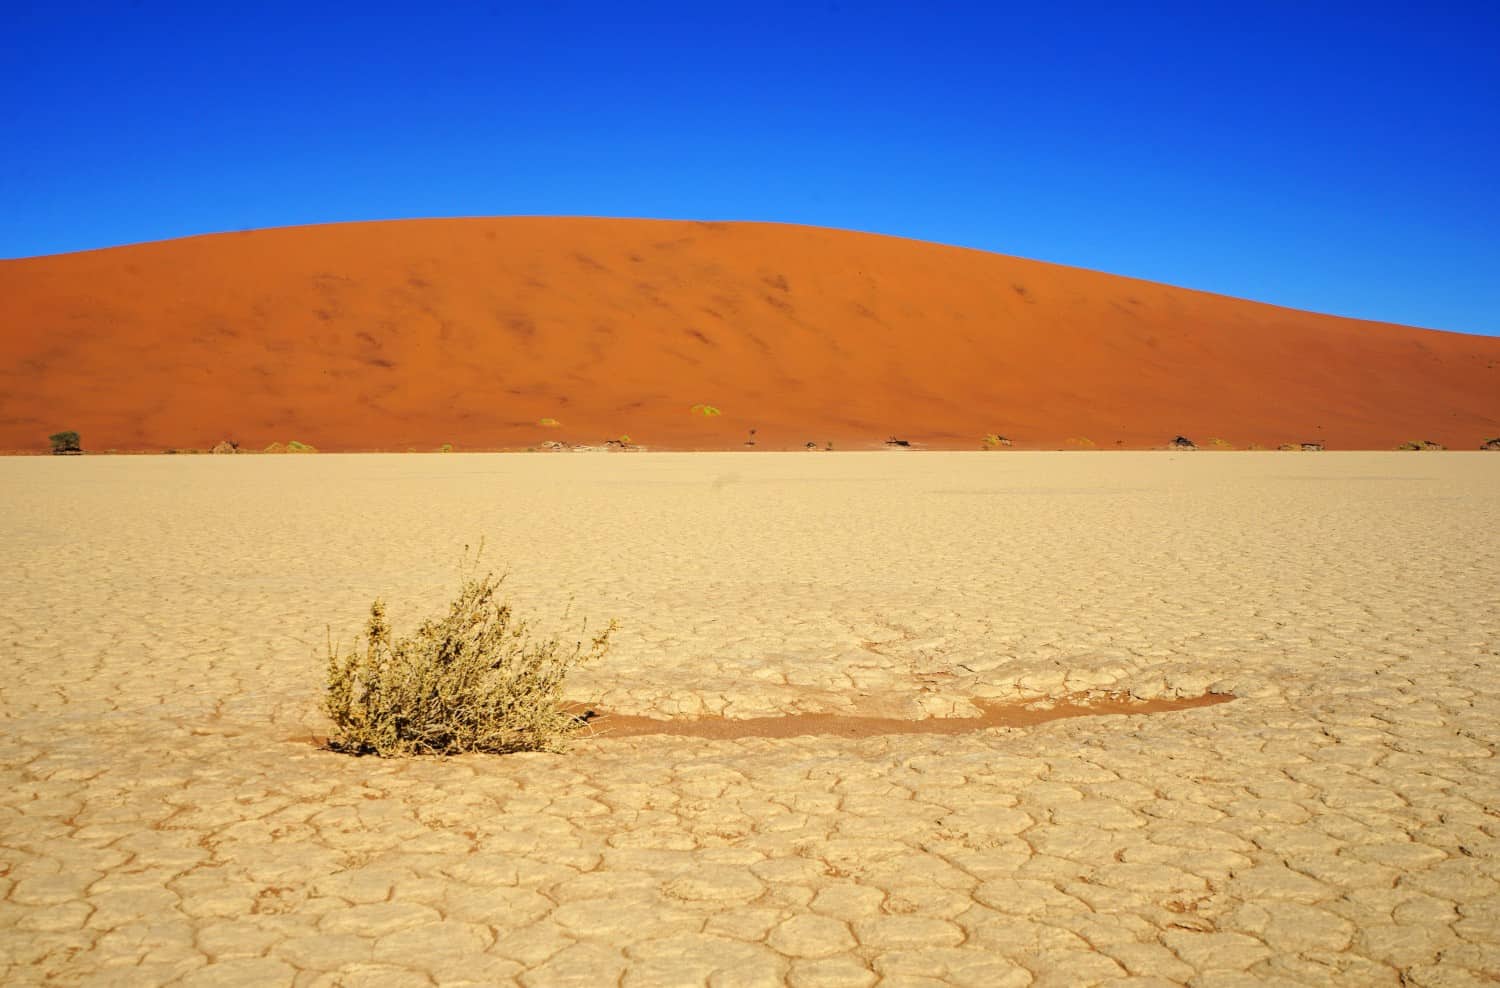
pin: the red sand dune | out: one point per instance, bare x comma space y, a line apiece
412, 334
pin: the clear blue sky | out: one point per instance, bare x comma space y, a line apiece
1342, 158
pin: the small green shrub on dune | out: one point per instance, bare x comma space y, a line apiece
64, 443
475, 680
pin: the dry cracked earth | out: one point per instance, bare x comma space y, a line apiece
165, 819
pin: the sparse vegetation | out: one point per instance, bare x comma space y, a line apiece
293, 446
475, 680
707, 411
995, 441
549, 423
445, 448
1220, 443
65, 443
1081, 442
1490, 445
1422, 445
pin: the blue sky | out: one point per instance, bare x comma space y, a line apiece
1342, 158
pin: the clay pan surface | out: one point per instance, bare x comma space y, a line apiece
164, 820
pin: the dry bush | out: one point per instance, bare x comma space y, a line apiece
476, 679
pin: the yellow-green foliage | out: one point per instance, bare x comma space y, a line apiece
445, 448
473, 680
550, 423
707, 411
1082, 442
995, 441
1221, 443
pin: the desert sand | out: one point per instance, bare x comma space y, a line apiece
391, 336
164, 817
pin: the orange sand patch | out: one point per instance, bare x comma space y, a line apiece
1026, 714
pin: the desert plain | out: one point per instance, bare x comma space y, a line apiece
168, 817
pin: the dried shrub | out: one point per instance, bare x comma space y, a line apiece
476, 679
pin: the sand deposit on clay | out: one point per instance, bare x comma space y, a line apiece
164, 820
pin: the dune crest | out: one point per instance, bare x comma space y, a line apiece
508, 333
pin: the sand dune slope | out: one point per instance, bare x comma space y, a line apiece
411, 334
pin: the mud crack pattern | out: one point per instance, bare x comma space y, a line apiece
163, 820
